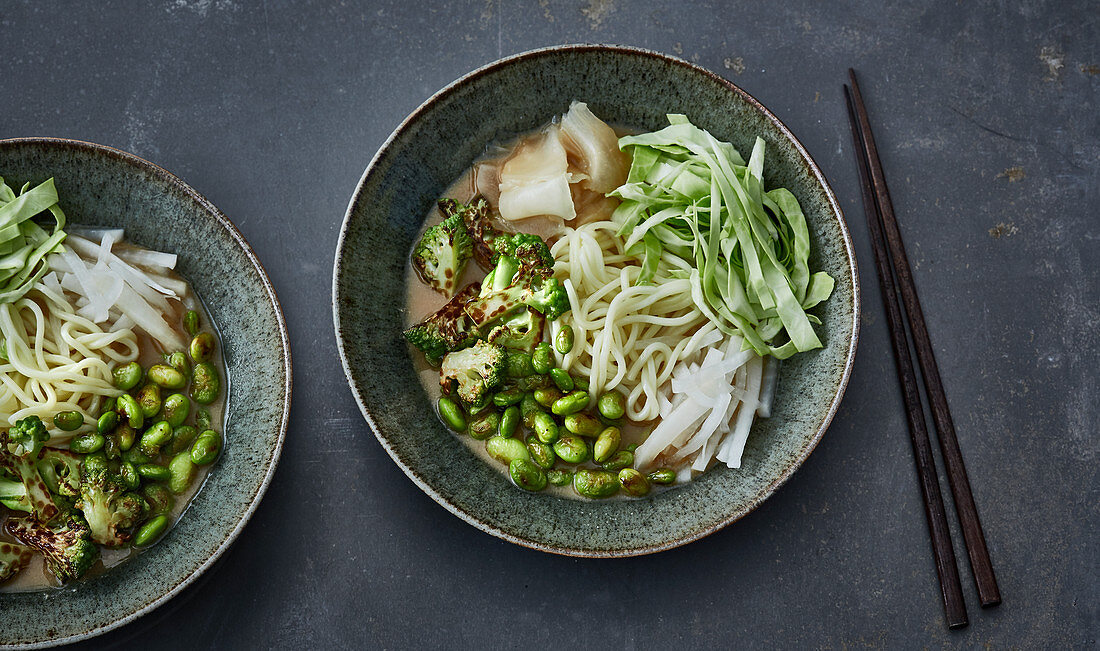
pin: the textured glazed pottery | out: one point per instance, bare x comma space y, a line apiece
626, 87
100, 186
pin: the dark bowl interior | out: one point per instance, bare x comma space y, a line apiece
105, 187
627, 87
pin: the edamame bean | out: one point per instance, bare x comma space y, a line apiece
159, 498
545, 427
570, 404
87, 443
111, 447
94, 462
181, 469
148, 533
541, 453
580, 384
582, 424
126, 436
564, 340
449, 411
507, 397
135, 456
68, 421
527, 475
562, 379
485, 426
127, 376
203, 346
519, 365
155, 437
618, 461
110, 404
130, 476
154, 472
611, 405
506, 450
149, 400
176, 409
547, 396
662, 476
206, 448
607, 443
106, 422
129, 409
559, 477
596, 484
191, 322
178, 361
528, 407
509, 421
203, 420
633, 482
571, 448
542, 360
205, 383
182, 438
165, 376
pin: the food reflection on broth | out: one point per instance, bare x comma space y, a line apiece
602, 314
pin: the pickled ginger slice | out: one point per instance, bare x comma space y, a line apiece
594, 148
535, 181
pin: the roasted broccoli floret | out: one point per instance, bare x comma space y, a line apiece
66, 544
60, 469
27, 437
13, 558
13, 494
479, 227
448, 329
442, 254
109, 509
521, 331
511, 244
19, 448
473, 372
531, 285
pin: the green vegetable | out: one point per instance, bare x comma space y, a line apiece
559, 477
155, 437
582, 424
178, 361
633, 482
106, 422
203, 419
191, 322
129, 409
507, 398
24, 244
527, 475
206, 448
528, 408
484, 425
205, 383
447, 330
562, 379
181, 469
149, 400
473, 372
127, 376
542, 359
662, 476
520, 331
532, 285
176, 409
68, 421
451, 414
509, 421
66, 545
596, 484
611, 405
109, 508
167, 377
202, 347
87, 443
570, 404
545, 427
150, 531
520, 365
182, 438
691, 197
154, 472
131, 478
571, 448
547, 396
505, 450
564, 340
619, 460
541, 453
159, 498
607, 443
442, 253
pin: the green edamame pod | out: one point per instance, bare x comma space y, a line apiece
106, 422
68, 421
182, 438
519, 365
178, 361
148, 533
541, 454
127, 376
165, 376
633, 482
506, 450
206, 448
449, 411
205, 383
87, 443
507, 398
607, 443
159, 498
129, 409
126, 436
542, 360
662, 476
596, 484
564, 340
570, 404
130, 476
155, 437
582, 424
571, 448
191, 322
176, 409
509, 421
203, 346
545, 427
181, 469
484, 426
611, 405
559, 477
618, 461
562, 379
546, 396
154, 472
149, 400
527, 475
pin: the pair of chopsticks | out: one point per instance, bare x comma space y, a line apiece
890, 253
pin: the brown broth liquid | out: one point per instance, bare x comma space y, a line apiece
35, 576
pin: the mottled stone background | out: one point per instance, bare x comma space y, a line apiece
987, 118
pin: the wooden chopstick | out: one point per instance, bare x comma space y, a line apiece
944, 554
980, 564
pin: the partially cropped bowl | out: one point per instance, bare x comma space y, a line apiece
100, 186
626, 87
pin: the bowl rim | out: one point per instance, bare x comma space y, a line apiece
222, 220
813, 168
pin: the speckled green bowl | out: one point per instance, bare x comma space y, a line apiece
625, 86
106, 187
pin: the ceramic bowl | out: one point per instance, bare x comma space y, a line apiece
635, 89
101, 186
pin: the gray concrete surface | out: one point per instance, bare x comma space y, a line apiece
986, 115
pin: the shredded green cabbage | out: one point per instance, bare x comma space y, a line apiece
24, 244
691, 196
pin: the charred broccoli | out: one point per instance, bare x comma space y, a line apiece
511, 243
13, 558
522, 331
13, 494
478, 226
110, 510
475, 371
19, 448
60, 469
66, 545
27, 437
442, 253
448, 329
531, 285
